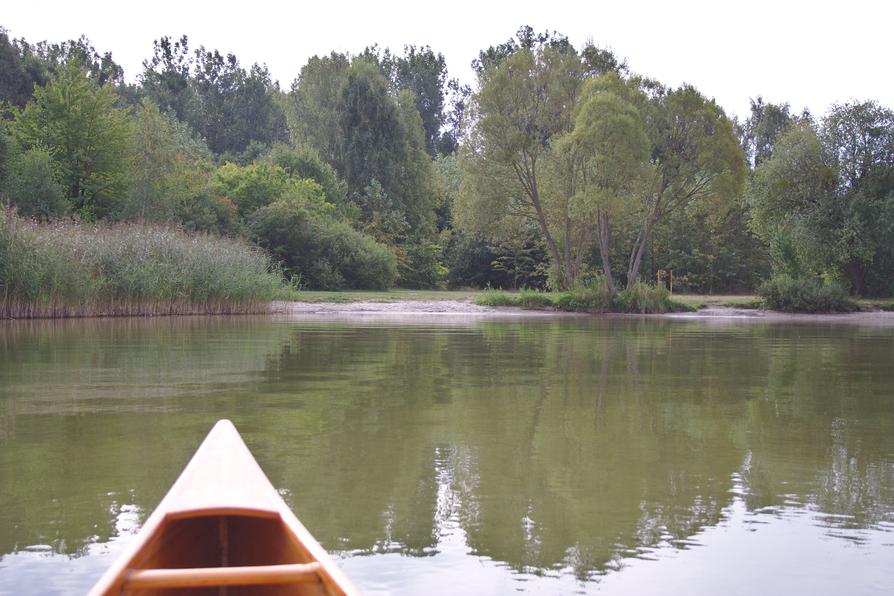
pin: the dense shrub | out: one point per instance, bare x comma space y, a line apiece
31, 185
322, 253
645, 298
641, 298
586, 299
523, 298
69, 269
419, 265
805, 294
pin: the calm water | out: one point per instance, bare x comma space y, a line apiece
544, 456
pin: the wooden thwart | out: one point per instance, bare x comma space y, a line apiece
256, 575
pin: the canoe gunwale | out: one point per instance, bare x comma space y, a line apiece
223, 511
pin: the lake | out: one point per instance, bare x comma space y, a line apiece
548, 455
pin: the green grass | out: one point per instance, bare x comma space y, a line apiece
67, 269
642, 298
876, 304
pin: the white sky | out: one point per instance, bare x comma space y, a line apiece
810, 54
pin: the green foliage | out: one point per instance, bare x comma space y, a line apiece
762, 129
644, 298
166, 77
258, 185
76, 121
424, 74
231, 107
592, 299
319, 252
639, 298
710, 251
20, 70
206, 211
67, 269
805, 294
832, 190
303, 163
371, 143
312, 111
419, 265
30, 184
154, 182
524, 298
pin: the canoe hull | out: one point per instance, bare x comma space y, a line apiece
223, 526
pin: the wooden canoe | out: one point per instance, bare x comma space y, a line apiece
223, 529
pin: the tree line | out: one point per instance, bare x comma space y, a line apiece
560, 168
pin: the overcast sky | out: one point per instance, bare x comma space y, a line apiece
809, 54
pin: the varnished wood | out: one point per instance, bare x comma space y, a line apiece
147, 579
222, 513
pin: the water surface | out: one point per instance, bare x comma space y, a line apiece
549, 455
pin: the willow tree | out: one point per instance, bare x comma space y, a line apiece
592, 173
695, 158
521, 104
526, 106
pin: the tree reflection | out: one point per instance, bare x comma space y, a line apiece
552, 445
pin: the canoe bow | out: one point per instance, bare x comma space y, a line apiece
222, 524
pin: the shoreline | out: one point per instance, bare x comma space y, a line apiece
464, 308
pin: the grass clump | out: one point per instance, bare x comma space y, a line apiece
641, 298
69, 269
805, 295
647, 299
523, 299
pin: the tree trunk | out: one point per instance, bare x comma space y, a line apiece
530, 184
857, 276
638, 252
604, 244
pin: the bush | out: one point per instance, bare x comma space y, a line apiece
68, 269
31, 185
646, 299
322, 253
588, 299
804, 294
419, 265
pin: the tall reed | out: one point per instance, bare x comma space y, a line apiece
69, 269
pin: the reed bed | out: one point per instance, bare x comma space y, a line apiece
67, 269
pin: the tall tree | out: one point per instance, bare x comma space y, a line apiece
314, 98
832, 191
77, 121
695, 157
424, 73
763, 127
166, 77
596, 170
521, 105
20, 70
371, 143
235, 106
526, 99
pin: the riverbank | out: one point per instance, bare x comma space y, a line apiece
407, 307
467, 308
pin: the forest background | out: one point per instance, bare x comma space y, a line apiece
559, 168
